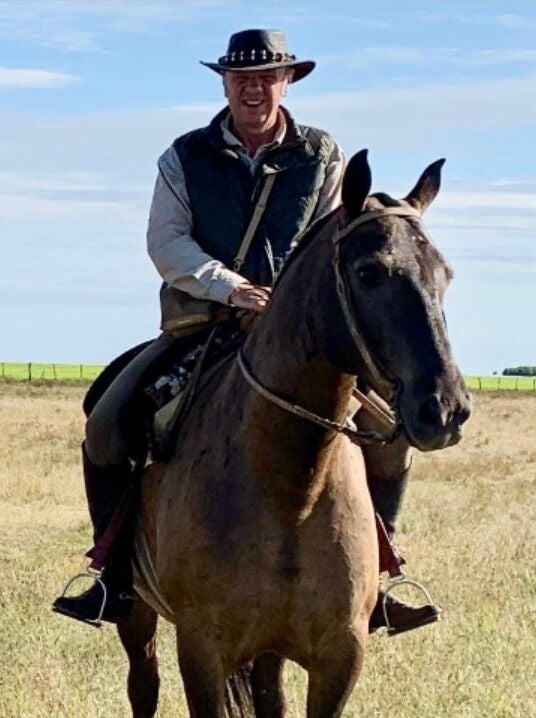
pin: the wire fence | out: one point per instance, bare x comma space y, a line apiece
501, 383
35, 371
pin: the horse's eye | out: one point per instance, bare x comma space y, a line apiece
370, 275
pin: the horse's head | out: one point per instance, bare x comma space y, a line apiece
391, 282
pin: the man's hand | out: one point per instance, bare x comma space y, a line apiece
250, 296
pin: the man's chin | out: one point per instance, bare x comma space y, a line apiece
257, 120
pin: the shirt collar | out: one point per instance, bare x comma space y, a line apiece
233, 141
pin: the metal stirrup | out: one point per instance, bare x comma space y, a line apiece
395, 583
96, 577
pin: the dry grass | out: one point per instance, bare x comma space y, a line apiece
468, 532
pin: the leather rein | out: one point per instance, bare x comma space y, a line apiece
348, 429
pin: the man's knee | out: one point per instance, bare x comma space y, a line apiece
104, 443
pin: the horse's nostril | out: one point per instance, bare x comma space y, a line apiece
431, 411
463, 414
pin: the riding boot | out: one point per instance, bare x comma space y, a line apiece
387, 495
105, 485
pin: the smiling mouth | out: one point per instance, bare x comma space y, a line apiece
253, 103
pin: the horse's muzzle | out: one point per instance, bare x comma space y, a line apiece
436, 421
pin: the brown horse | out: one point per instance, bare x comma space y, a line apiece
261, 529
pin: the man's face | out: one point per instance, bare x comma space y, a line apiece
254, 97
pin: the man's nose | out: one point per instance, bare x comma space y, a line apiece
253, 83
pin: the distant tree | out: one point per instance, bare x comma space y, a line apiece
520, 371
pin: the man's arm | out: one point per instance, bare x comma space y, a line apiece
176, 255
330, 194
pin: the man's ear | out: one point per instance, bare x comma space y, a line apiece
356, 184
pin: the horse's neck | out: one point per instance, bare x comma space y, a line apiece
284, 356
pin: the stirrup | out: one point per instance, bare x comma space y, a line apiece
96, 577
395, 583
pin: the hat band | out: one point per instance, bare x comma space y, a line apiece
256, 57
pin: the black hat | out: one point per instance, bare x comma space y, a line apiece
260, 50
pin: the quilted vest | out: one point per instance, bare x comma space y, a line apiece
223, 193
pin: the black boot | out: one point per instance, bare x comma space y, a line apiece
387, 495
104, 488
401, 616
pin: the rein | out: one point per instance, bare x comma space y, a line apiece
355, 435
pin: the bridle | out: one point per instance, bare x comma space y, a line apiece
376, 373
374, 368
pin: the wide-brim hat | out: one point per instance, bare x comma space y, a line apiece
251, 50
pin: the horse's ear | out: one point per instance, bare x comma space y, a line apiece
356, 184
427, 187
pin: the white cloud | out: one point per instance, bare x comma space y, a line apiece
499, 57
509, 21
16, 77
81, 25
514, 21
401, 55
409, 117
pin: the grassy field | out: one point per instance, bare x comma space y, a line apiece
88, 372
468, 531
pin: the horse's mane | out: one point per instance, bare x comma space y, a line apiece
374, 201
305, 240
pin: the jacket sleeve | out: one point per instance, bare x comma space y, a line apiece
176, 255
330, 194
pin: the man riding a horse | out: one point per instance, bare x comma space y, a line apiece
230, 204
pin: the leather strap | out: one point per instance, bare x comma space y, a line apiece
376, 214
375, 370
254, 221
389, 558
355, 435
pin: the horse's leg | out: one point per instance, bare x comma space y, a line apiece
202, 673
137, 634
267, 686
334, 673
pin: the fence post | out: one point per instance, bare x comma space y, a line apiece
29, 371
81, 372
3, 371
479, 383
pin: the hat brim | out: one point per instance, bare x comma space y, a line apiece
301, 68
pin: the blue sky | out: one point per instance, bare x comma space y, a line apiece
91, 92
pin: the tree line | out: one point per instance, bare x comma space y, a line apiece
520, 371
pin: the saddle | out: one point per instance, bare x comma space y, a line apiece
188, 378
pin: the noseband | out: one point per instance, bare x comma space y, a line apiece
373, 367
